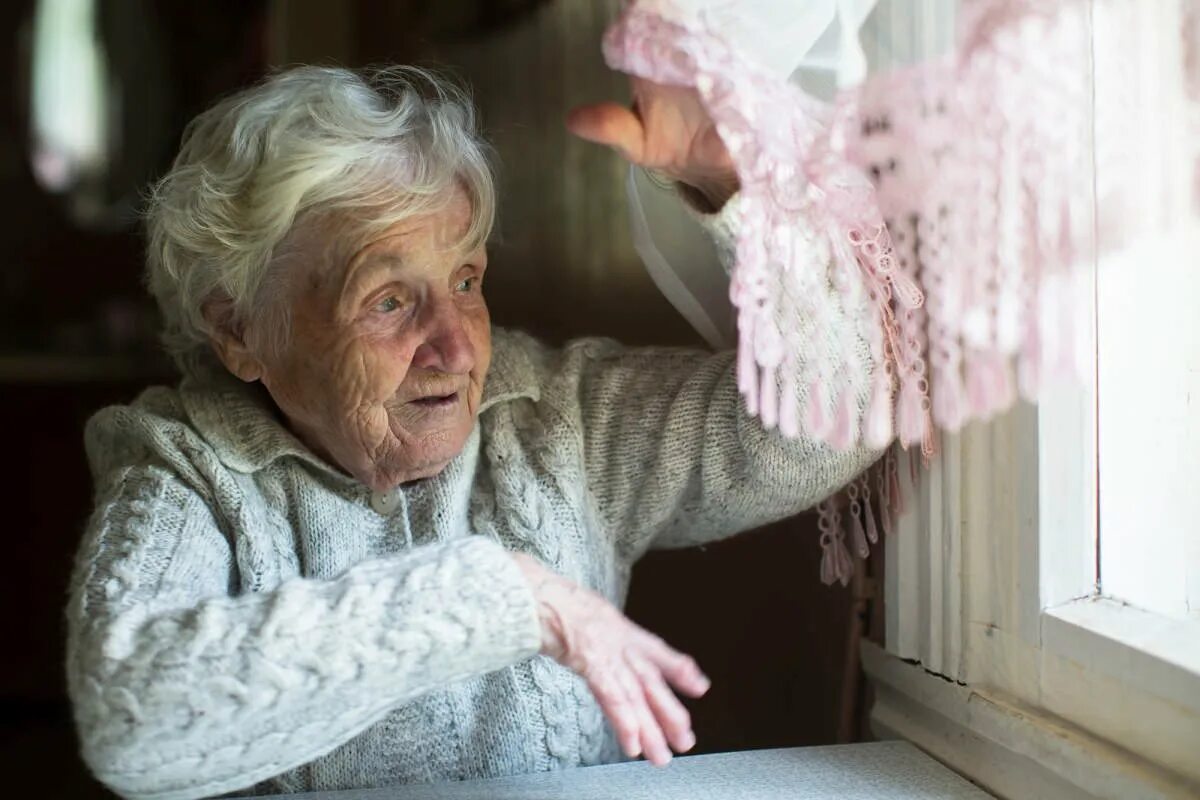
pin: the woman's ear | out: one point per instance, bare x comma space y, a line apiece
228, 340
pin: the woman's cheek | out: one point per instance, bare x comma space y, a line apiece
387, 361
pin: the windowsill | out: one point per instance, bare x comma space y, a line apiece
1012, 748
1149, 652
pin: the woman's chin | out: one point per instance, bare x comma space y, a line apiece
431, 451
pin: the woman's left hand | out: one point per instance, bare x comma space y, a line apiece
666, 130
628, 669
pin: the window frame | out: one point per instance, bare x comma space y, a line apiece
1003, 658
1053, 691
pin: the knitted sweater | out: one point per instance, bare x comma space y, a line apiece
246, 617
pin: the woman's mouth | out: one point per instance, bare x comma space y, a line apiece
435, 402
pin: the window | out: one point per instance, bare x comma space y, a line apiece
1050, 564
1148, 331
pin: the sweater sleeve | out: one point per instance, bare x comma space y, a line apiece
673, 458
184, 688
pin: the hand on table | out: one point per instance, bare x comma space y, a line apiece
629, 670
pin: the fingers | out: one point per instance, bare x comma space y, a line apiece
680, 669
610, 124
646, 716
627, 668
615, 703
672, 718
654, 744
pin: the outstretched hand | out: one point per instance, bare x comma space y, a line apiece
668, 130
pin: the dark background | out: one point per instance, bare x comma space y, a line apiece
78, 333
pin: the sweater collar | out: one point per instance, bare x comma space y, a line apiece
247, 432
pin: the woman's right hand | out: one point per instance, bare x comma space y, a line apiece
628, 669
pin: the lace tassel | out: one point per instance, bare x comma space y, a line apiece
815, 418
989, 384
768, 399
949, 397
879, 417
1029, 366
1004, 392
885, 501
858, 533
747, 371
905, 290
789, 422
865, 488
911, 416
845, 423
978, 386
855, 492
929, 442
836, 564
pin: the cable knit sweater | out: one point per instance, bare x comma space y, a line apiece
246, 617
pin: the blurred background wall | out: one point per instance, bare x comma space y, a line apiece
78, 332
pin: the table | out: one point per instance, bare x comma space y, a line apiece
891, 770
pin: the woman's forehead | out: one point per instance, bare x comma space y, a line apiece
440, 232
344, 241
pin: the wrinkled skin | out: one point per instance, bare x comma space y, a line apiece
389, 346
404, 325
628, 669
384, 371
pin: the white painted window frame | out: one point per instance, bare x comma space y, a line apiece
1003, 659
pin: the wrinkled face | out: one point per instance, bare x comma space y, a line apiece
390, 344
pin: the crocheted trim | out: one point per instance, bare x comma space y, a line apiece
882, 192
949, 203
808, 218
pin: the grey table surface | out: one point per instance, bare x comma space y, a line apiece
891, 770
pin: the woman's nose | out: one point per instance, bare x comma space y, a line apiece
447, 346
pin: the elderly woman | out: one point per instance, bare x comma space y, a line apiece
369, 539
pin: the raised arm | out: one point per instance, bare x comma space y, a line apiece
673, 459
184, 688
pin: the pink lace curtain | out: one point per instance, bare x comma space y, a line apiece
952, 203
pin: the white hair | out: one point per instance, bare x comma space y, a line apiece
379, 146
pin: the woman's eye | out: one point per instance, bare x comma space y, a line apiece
388, 305
466, 284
